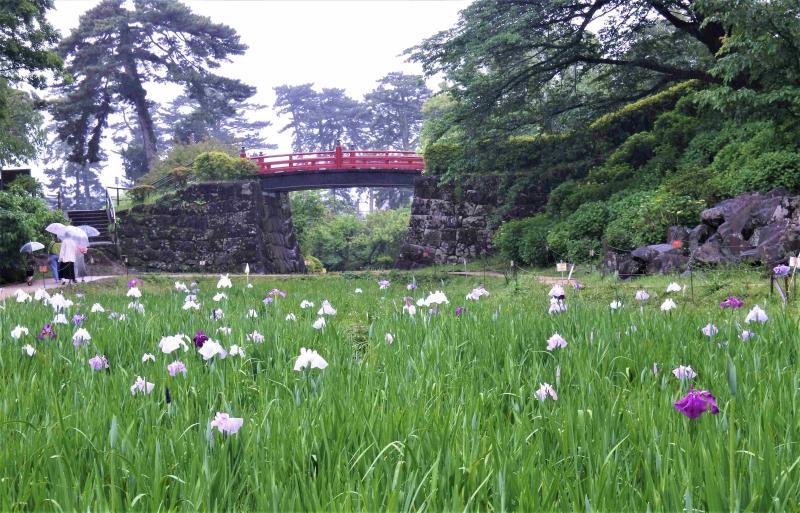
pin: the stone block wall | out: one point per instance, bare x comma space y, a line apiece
448, 225
212, 227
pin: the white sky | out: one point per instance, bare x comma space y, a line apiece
332, 43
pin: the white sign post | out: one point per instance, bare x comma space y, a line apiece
562, 268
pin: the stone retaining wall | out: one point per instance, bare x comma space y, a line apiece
212, 227
447, 226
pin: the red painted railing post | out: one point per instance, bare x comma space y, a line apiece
242, 153
339, 157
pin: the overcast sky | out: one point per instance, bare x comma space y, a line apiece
333, 43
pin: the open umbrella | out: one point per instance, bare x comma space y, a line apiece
90, 231
56, 229
31, 246
74, 233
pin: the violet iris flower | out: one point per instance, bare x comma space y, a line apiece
176, 367
98, 363
277, 292
268, 300
696, 402
199, 339
77, 319
135, 282
459, 311
781, 270
732, 302
47, 331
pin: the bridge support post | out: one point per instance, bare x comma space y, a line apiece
339, 156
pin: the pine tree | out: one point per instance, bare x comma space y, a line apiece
116, 52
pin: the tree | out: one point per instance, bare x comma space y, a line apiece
23, 218
523, 65
26, 55
26, 42
116, 51
396, 111
20, 122
78, 184
319, 119
216, 111
759, 61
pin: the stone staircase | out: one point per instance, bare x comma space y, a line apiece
95, 218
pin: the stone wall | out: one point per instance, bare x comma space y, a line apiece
212, 227
447, 225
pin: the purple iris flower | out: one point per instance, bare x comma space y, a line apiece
77, 319
47, 331
268, 300
276, 292
98, 363
696, 402
459, 311
199, 339
781, 270
577, 285
732, 302
134, 282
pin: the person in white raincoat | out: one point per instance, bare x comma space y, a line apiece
74, 243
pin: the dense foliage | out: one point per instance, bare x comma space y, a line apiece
217, 165
347, 241
27, 56
540, 94
115, 51
23, 217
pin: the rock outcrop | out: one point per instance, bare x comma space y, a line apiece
758, 228
212, 227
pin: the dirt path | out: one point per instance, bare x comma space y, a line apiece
49, 283
547, 280
477, 273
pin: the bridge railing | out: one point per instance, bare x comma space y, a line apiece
338, 159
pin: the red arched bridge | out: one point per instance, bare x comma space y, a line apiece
338, 168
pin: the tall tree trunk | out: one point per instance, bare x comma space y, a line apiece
138, 96
134, 92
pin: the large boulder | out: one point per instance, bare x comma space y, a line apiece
754, 227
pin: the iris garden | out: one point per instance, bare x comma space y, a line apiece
344, 393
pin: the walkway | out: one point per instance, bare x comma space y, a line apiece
49, 283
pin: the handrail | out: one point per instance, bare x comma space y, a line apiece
112, 219
338, 159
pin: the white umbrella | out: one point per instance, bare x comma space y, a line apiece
90, 231
74, 233
56, 229
31, 246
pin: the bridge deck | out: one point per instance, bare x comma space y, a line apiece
337, 169
335, 179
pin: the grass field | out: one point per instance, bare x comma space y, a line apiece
446, 417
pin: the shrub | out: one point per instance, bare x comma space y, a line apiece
769, 170
216, 165
181, 175
314, 265
140, 192
28, 184
346, 241
589, 220
183, 155
642, 218
525, 240
23, 218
